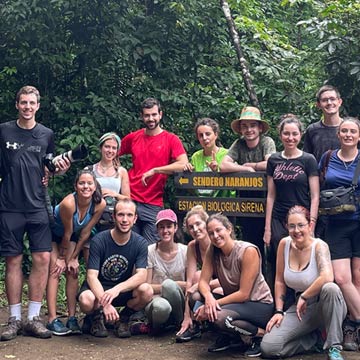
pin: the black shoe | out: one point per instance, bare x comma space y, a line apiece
254, 350
189, 334
98, 328
86, 325
225, 342
122, 330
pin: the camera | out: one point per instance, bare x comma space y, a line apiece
77, 154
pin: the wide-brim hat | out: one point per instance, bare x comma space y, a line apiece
250, 113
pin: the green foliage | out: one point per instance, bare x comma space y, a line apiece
95, 61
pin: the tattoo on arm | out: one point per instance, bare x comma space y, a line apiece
323, 257
283, 297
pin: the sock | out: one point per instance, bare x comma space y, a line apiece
34, 309
15, 310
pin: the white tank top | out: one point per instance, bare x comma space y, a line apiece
300, 280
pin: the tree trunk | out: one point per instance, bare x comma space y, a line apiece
243, 63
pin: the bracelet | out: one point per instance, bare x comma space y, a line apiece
278, 311
303, 297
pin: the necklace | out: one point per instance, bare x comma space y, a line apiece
105, 168
347, 164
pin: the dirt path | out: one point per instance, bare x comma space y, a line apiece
86, 347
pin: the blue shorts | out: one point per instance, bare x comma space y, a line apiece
13, 227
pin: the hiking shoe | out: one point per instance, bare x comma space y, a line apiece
122, 329
13, 328
36, 328
58, 328
254, 350
224, 342
334, 353
98, 328
73, 325
191, 333
86, 324
350, 338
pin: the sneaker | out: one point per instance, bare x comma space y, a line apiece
334, 353
191, 333
138, 316
36, 328
98, 328
13, 328
350, 338
73, 325
224, 342
58, 328
254, 350
86, 325
122, 329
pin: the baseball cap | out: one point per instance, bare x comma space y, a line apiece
166, 214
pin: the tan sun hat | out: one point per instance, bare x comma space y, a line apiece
249, 113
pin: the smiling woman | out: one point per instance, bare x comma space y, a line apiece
304, 265
343, 230
292, 178
246, 304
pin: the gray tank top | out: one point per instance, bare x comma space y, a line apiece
300, 280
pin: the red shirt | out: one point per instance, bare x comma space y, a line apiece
149, 152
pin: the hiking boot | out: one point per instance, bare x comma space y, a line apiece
191, 333
36, 328
225, 342
13, 328
334, 353
350, 338
58, 328
254, 350
122, 329
86, 325
73, 325
98, 328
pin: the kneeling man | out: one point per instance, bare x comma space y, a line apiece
116, 275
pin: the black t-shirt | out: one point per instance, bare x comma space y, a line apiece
291, 179
114, 262
21, 189
319, 138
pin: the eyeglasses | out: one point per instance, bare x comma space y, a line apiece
330, 99
299, 226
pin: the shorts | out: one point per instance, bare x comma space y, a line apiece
343, 238
57, 239
13, 227
121, 300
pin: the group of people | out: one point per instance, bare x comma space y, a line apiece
115, 218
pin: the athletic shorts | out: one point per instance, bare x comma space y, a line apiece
121, 300
13, 227
343, 238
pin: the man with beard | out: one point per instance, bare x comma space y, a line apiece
156, 154
116, 275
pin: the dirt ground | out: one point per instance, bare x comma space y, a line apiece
135, 348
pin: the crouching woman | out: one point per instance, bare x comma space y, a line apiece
247, 304
304, 265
